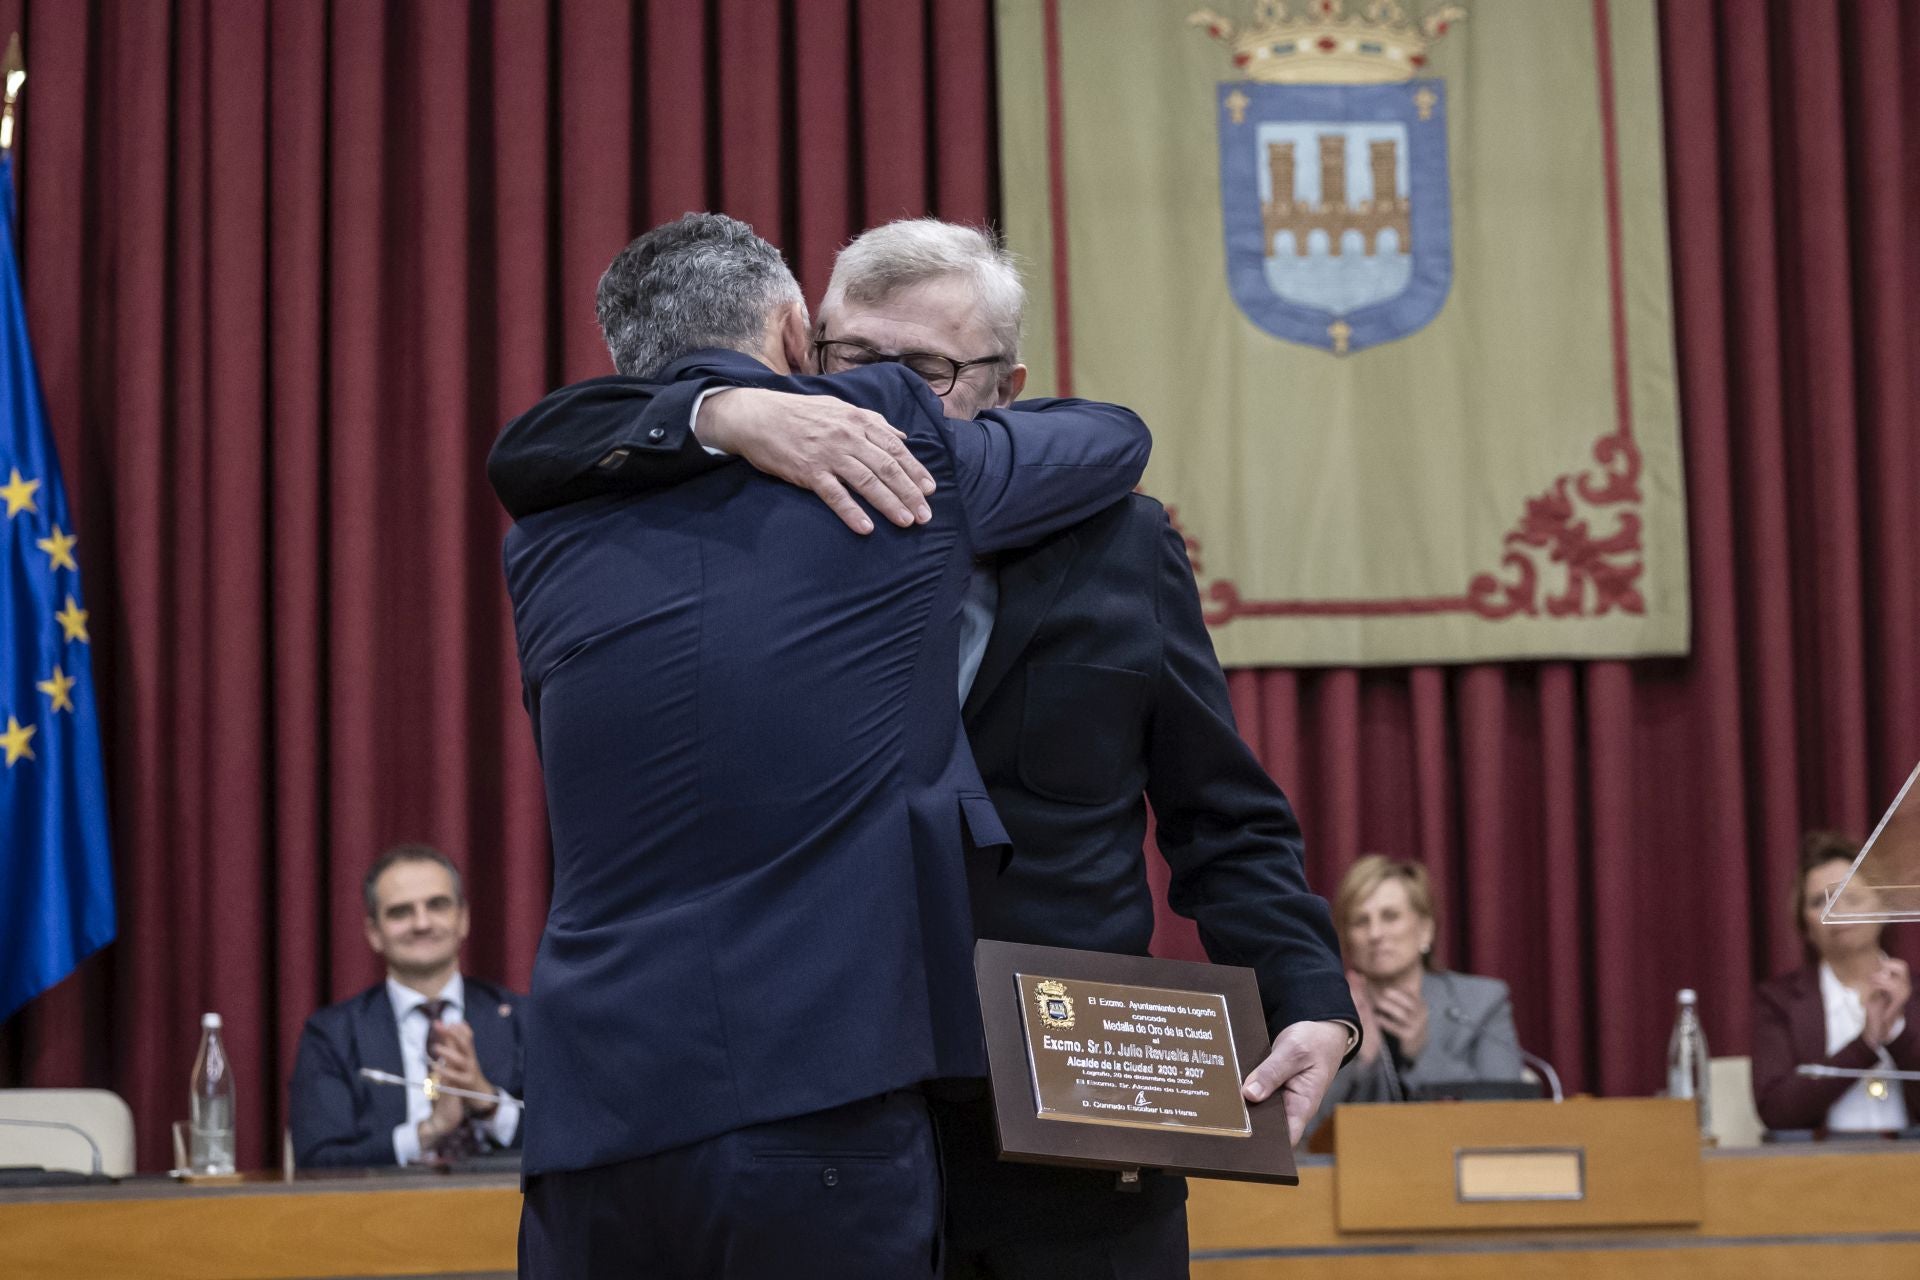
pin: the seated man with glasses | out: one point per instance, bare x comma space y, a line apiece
1089, 687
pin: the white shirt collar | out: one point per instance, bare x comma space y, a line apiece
405, 999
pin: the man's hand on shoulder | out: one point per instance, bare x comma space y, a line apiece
1304, 1058
822, 444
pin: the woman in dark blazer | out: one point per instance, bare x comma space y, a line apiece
1851, 1005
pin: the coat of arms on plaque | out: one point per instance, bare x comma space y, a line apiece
1056, 1006
1333, 171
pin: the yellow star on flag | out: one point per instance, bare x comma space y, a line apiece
15, 741
73, 620
59, 549
19, 494
58, 688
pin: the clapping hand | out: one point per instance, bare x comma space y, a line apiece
459, 1066
441, 1123
1403, 1016
1885, 1001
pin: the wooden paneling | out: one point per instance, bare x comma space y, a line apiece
265, 1231
1782, 1212
1640, 1158
1807, 1262
1786, 1212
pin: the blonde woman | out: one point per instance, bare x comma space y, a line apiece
1422, 1025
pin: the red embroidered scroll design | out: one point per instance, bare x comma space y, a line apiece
1553, 541
1601, 572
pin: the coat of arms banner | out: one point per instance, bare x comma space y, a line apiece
1389, 281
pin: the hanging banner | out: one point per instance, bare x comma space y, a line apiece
1389, 281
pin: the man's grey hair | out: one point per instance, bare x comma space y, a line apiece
899, 255
703, 280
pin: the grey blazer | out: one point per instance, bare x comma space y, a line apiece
1470, 1036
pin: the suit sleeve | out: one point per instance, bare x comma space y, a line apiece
321, 1109
1496, 1051
507, 1128
1785, 1099
1033, 469
1905, 1047
606, 435
1487, 1049
1226, 830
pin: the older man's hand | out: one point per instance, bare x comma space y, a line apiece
822, 444
1301, 1066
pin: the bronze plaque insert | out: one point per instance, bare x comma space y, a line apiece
1145, 1057
1162, 1091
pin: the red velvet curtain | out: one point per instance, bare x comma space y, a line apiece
289, 266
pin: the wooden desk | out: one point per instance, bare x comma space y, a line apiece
1785, 1211
1788, 1211
396, 1225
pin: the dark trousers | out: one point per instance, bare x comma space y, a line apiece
849, 1193
1008, 1221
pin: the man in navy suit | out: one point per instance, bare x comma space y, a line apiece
426, 1018
764, 814
1091, 688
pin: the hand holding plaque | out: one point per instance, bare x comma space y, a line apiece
1126, 1062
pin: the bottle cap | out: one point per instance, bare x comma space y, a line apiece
1687, 996
210, 1021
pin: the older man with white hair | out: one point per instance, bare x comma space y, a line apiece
1089, 689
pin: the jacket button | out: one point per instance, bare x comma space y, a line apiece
831, 1177
658, 433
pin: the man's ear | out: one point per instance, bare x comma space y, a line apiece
1010, 387
373, 936
794, 343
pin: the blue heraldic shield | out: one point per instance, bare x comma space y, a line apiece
1337, 213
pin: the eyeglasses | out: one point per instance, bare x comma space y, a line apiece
837, 355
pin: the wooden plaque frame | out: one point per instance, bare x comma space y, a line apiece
1265, 1156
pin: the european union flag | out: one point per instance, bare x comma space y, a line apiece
56, 874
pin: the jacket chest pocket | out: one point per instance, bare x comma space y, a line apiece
1081, 731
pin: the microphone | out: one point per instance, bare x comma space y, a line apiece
1389, 1061
68, 1126
432, 1086
1534, 1060
1821, 1071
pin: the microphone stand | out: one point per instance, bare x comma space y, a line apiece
68, 1127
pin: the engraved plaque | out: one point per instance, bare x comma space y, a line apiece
1148, 1057
1127, 1062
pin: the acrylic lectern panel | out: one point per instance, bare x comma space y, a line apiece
1884, 881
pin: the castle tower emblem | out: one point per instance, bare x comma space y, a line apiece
1333, 170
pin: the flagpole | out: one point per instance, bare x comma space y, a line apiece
14, 68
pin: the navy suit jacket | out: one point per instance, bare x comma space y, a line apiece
1098, 692
341, 1118
761, 801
